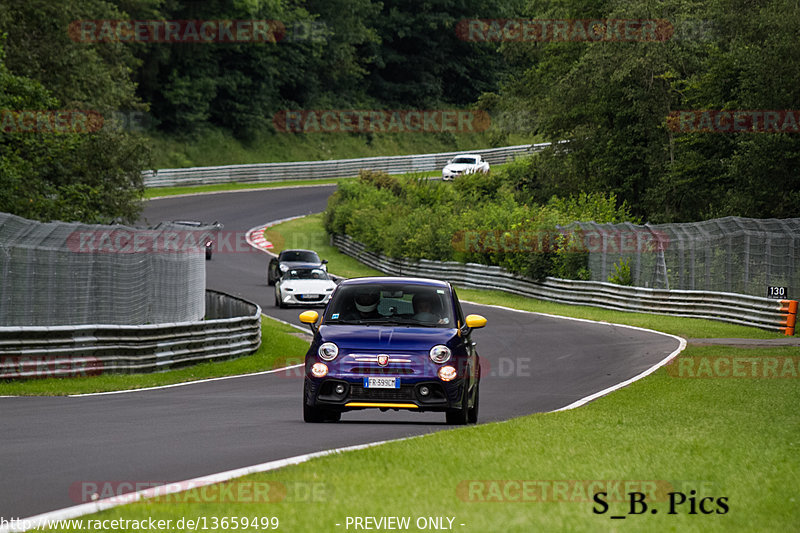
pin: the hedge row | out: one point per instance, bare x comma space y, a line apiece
479, 218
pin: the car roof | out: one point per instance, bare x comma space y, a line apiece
391, 280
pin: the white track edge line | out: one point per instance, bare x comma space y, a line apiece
594, 396
183, 384
38, 521
93, 507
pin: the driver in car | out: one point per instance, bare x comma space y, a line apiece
426, 309
366, 306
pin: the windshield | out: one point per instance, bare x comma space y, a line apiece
464, 160
305, 273
299, 256
409, 305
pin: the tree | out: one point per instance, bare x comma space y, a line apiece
422, 61
89, 171
612, 100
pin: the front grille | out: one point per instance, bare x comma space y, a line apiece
357, 392
380, 371
309, 297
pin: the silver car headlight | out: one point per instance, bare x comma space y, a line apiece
440, 353
283, 267
328, 351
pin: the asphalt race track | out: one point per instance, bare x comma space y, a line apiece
49, 446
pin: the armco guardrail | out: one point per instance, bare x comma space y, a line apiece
309, 170
728, 307
232, 328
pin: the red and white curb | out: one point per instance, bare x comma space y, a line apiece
256, 239
255, 236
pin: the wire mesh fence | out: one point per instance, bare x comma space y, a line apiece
731, 254
60, 273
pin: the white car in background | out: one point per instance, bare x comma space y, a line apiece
304, 287
464, 164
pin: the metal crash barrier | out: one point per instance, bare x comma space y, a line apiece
765, 313
231, 328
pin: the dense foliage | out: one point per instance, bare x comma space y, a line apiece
477, 218
90, 170
610, 99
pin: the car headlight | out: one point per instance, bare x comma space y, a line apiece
328, 351
282, 267
440, 353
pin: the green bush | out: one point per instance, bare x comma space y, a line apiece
622, 273
479, 218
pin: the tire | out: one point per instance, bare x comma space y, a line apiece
314, 415
472, 412
459, 417
208, 254
277, 301
270, 277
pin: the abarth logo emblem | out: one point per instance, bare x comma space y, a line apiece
383, 359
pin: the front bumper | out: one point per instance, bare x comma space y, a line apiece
441, 396
291, 299
449, 176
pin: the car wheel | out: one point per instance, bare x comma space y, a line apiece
208, 254
277, 301
459, 417
270, 275
472, 414
314, 415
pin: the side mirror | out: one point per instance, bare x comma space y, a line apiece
310, 318
324, 261
475, 321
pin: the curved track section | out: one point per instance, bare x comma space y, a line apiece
533, 363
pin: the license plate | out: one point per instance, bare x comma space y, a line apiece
381, 383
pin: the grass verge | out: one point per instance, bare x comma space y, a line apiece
722, 438
160, 192
281, 344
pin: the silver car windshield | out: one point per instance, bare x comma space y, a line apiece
464, 160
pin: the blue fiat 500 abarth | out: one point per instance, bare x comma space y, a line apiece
392, 343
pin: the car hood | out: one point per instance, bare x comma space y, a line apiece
385, 337
308, 285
